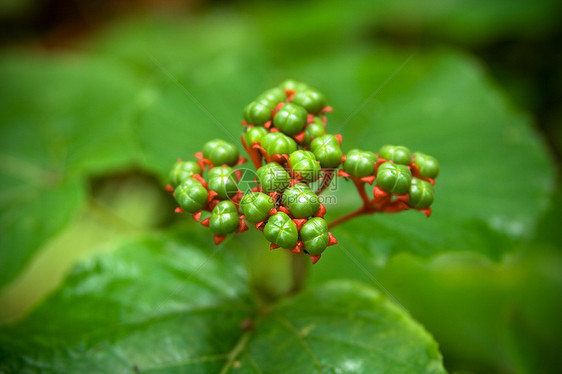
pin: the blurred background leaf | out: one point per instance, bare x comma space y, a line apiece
181, 316
91, 108
488, 317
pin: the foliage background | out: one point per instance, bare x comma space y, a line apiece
97, 102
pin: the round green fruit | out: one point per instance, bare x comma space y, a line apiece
327, 150
276, 143
191, 195
183, 170
397, 153
275, 95
258, 112
313, 130
254, 134
256, 206
428, 165
220, 152
293, 85
291, 119
312, 101
359, 163
314, 235
394, 178
281, 230
301, 201
224, 218
304, 163
421, 194
222, 180
273, 177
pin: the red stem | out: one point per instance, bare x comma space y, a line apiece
348, 216
253, 153
328, 176
379, 204
360, 185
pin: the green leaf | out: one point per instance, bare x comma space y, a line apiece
82, 125
147, 92
171, 304
474, 22
469, 22
120, 206
437, 102
511, 307
50, 139
496, 176
30, 215
342, 327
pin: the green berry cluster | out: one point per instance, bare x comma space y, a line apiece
210, 185
397, 171
295, 160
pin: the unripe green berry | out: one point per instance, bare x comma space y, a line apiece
189, 181
275, 95
222, 180
312, 101
291, 119
191, 195
304, 163
254, 134
301, 201
208, 147
428, 165
256, 206
258, 112
314, 235
421, 194
224, 218
281, 230
313, 130
294, 85
183, 170
394, 178
397, 153
359, 163
273, 177
220, 152
327, 150
217, 171
267, 102
277, 143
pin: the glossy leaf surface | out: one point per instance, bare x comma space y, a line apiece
110, 316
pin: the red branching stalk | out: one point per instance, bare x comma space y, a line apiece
328, 176
252, 152
347, 217
361, 190
382, 202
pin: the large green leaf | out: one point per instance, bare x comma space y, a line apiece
440, 103
310, 26
65, 119
169, 305
120, 206
152, 91
488, 317
342, 327
496, 176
